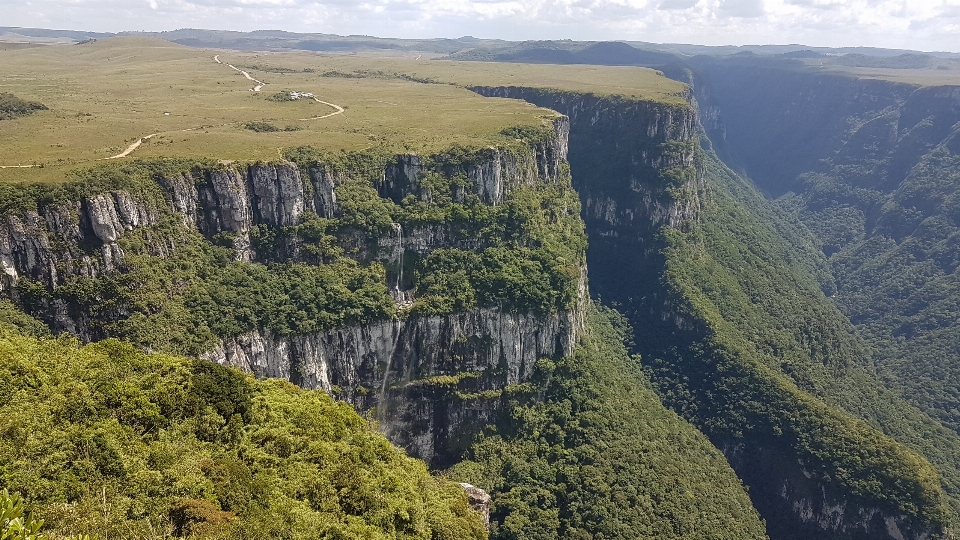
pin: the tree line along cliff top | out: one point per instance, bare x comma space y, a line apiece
103, 97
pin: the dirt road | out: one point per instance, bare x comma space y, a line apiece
257, 88
132, 147
260, 84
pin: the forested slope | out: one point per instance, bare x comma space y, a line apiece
587, 449
107, 441
762, 362
869, 166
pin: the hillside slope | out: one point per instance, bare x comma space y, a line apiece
876, 185
108, 441
587, 449
725, 295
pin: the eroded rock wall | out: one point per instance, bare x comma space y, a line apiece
430, 382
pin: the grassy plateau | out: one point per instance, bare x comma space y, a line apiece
104, 96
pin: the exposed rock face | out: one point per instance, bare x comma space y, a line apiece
231, 201
798, 506
634, 166
644, 139
68, 239
479, 501
389, 366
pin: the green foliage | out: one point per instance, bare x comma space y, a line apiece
536, 243
261, 127
184, 302
378, 74
12, 317
366, 164
105, 440
281, 97
11, 106
14, 524
362, 208
529, 134
588, 451
772, 361
530, 246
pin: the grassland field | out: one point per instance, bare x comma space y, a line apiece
106, 95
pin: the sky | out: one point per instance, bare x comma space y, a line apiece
930, 25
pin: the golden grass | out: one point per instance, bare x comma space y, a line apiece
948, 75
103, 96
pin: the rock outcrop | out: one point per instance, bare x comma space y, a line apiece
430, 381
479, 501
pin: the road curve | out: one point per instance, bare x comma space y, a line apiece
257, 88
132, 147
339, 110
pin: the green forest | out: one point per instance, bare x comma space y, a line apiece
586, 450
106, 441
787, 370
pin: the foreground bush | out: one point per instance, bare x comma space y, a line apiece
108, 441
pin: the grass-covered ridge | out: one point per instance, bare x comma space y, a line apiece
108, 441
109, 94
586, 450
106, 95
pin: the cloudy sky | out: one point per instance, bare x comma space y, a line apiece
913, 24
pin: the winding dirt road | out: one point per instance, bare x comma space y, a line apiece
260, 84
339, 110
132, 147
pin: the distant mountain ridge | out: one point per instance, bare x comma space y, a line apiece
560, 51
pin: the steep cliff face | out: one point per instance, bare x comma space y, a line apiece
634, 165
800, 506
876, 185
430, 379
645, 188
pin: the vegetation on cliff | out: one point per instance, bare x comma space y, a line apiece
522, 255
586, 450
893, 251
107, 441
762, 359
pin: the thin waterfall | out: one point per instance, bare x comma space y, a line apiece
398, 297
399, 228
382, 396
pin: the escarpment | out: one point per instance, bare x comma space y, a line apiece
434, 292
634, 165
429, 368
697, 261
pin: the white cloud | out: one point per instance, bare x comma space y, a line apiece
742, 8
677, 4
914, 24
